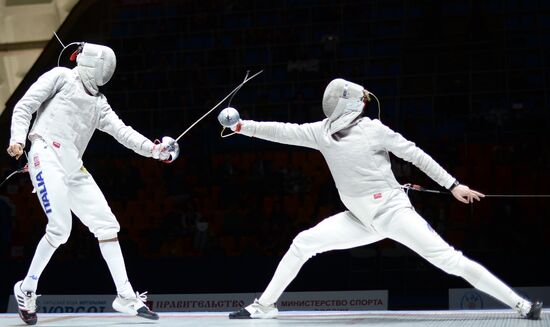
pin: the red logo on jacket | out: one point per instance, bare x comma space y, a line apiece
57, 144
36, 160
377, 196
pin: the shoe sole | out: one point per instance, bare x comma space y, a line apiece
147, 314
250, 317
144, 312
28, 322
245, 314
31, 321
240, 317
537, 312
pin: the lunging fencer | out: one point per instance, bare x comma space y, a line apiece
69, 109
356, 149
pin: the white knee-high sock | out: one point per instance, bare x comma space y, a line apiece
42, 256
113, 256
485, 281
286, 272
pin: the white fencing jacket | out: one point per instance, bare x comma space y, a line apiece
68, 116
358, 156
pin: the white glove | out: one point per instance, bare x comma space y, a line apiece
158, 151
165, 151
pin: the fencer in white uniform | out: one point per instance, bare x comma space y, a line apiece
356, 150
69, 108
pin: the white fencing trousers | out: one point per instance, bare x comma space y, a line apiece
395, 219
62, 188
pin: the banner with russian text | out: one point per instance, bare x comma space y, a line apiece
347, 300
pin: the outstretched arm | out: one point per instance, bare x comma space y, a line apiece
285, 133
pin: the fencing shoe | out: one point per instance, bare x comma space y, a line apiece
256, 311
134, 306
534, 312
26, 304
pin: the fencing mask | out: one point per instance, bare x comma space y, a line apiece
96, 65
342, 103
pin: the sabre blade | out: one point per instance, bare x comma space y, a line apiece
10, 175
219, 103
517, 195
421, 189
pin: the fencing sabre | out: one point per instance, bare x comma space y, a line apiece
419, 188
230, 116
23, 169
219, 103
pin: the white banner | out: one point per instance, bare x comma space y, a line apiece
199, 302
69, 303
157, 302
470, 298
350, 300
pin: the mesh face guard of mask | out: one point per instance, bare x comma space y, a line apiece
97, 58
100, 59
343, 102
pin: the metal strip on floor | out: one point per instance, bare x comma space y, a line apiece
443, 318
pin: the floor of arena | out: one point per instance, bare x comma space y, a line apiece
473, 318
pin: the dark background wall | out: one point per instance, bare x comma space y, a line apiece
466, 80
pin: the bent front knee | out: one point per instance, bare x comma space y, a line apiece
303, 247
